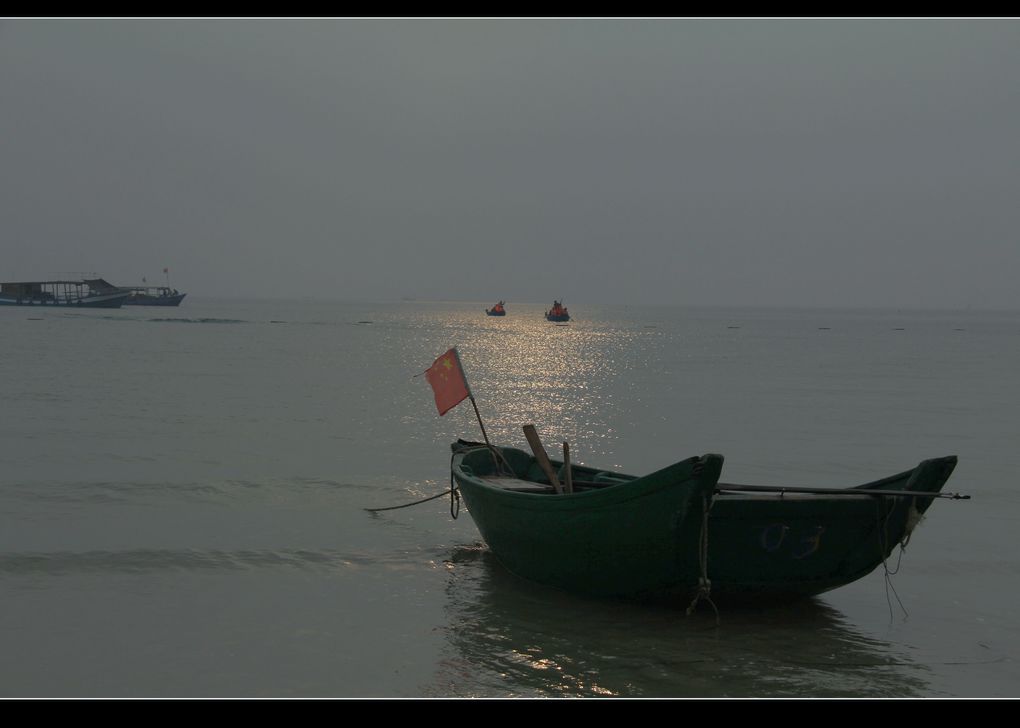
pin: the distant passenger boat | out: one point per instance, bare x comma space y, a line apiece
557, 313
496, 310
154, 296
92, 293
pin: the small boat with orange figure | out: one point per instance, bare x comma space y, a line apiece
558, 312
497, 310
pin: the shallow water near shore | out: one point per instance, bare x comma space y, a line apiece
183, 495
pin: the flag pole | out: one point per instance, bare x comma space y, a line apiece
480, 423
471, 396
447, 399
497, 456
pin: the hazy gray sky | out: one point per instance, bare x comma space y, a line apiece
811, 162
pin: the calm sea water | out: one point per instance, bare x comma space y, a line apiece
182, 497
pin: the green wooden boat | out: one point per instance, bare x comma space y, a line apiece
679, 533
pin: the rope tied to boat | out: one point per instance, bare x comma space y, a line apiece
704, 589
883, 526
454, 497
408, 505
914, 518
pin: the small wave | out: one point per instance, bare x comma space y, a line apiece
219, 491
107, 317
289, 484
136, 561
106, 492
199, 320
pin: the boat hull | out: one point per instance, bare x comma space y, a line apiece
142, 299
791, 545
635, 539
554, 317
642, 538
490, 312
113, 300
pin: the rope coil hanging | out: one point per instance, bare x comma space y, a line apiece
704, 590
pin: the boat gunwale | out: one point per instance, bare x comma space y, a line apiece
728, 492
636, 487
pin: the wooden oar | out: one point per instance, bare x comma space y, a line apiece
541, 457
834, 491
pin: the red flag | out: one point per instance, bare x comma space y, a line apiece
448, 381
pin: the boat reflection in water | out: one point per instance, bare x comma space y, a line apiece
508, 637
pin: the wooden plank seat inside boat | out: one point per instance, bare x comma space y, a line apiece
601, 479
517, 485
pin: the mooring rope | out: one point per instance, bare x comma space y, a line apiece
454, 495
883, 526
704, 583
454, 498
408, 505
